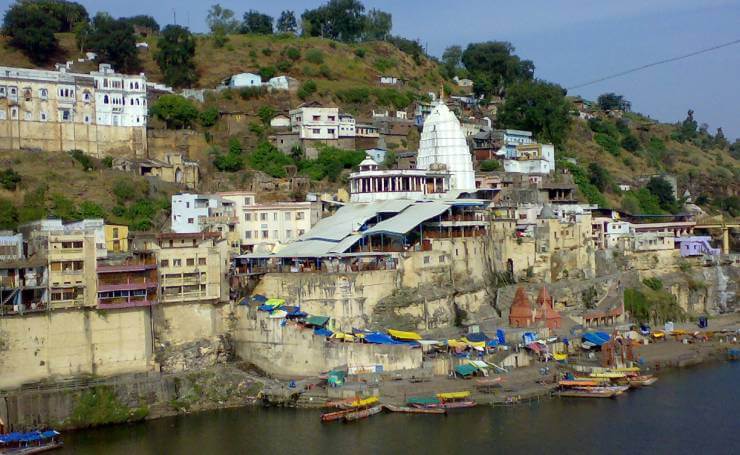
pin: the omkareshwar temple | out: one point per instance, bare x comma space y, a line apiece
444, 166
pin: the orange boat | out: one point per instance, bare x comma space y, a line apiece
577, 383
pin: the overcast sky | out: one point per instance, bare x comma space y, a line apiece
570, 42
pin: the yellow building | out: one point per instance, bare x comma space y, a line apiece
72, 269
193, 267
116, 238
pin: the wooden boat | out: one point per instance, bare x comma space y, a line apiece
336, 415
362, 414
413, 410
617, 389
642, 381
609, 375
580, 383
456, 400
339, 403
592, 392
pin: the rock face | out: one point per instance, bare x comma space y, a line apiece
195, 355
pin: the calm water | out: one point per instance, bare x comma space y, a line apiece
684, 412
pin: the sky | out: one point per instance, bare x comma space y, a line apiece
570, 42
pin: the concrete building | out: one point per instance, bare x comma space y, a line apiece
696, 246
531, 159
201, 213
376, 154
116, 238
267, 226
346, 125
281, 83
280, 121
72, 263
443, 143
175, 168
312, 121
371, 184
23, 280
242, 80
36, 233
103, 113
128, 283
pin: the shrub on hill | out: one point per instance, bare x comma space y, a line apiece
315, 56
293, 53
176, 111
330, 163
307, 89
268, 159
630, 143
608, 143
583, 180
84, 160
9, 179
8, 215
209, 117
490, 165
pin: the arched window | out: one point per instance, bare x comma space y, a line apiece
106, 100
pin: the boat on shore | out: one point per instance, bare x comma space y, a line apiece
18, 443
642, 380
617, 389
449, 400
352, 406
590, 392
413, 410
363, 414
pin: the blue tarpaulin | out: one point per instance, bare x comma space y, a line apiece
492, 343
593, 338
529, 337
27, 437
323, 332
501, 336
259, 298
267, 308
476, 337
603, 335
379, 338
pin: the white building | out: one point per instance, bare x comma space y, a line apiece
462, 82
443, 142
198, 213
376, 154
245, 80
346, 125
266, 226
371, 184
281, 83
280, 121
120, 100
42, 228
315, 122
531, 159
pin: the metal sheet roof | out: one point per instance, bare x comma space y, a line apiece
350, 218
409, 218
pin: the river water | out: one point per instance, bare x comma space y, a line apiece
686, 411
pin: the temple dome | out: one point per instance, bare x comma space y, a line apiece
443, 141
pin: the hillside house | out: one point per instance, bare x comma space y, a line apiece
242, 80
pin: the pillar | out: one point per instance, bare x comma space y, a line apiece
725, 240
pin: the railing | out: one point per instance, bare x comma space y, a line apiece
33, 307
326, 268
119, 302
125, 280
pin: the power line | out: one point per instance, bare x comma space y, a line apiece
668, 60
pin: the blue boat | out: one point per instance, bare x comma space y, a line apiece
19, 443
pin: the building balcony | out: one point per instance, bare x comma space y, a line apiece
31, 307
186, 296
133, 285
123, 268
123, 302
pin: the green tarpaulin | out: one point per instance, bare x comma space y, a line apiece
317, 321
465, 370
422, 401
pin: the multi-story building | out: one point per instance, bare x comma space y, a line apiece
271, 224
36, 233
346, 125
200, 213
531, 159
23, 280
312, 121
127, 283
116, 238
100, 113
72, 262
193, 267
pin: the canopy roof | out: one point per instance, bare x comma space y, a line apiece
422, 400
404, 335
409, 218
463, 370
454, 395
318, 321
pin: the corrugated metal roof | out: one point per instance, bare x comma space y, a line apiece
305, 248
409, 218
346, 244
350, 218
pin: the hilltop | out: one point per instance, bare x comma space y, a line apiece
346, 75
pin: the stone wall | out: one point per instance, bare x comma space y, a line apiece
190, 143
288, 350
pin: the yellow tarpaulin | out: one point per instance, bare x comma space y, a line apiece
474, 344
456, 344
608, 375
453, 395
275, 303
626, 369
404, 335
365, 402
560, 356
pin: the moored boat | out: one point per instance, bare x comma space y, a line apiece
336, 415
353, 406
456, 400
413, 410
617, 389
591, 392
642, 380
363, 414
31, 442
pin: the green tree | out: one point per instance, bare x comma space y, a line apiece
407, 46
227, 162
286, 23
612, 101
114, 42
599, 176
378, 25
490, 165
177, 112
537, 106
89, 209
175, 54
31, 30
720, 140
391, 159
9, 179
266, 113
221, 22
67, 13
209, 117
341, 20
688, 129
307, 89
451, 58
257, 23
268, 159
663, 190
8, 215
493, 66
630, 143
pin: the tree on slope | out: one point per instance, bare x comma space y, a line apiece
31, 30
493, 66
114, 42
256, 22
342, 20
537, 106
378, 25
287, 23
175, 56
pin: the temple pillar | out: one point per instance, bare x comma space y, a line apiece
725, 240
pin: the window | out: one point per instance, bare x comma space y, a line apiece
316, 130
265, 234
330, 131
191, 221
247, 201
3, 114
201, 261
331, 118
426, 259
316, 118
247, 217
27, 115
274, 234
287, 216
66, 115
177, 263
190, 262
106, 100
86, 97
44, 93
2, 91
87, 119
441, 259
274, 216
301, 231
13, 91
44, 116
164, 263
288, 233
263, 216
299, 216
248, 235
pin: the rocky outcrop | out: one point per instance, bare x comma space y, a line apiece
195, 355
